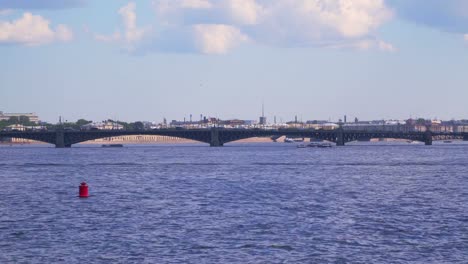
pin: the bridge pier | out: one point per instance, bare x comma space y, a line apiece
428, 138
214, 141
340, 137
60, 140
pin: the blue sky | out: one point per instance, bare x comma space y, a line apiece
317, 59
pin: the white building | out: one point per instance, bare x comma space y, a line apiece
32, 116
102, 126
18, 127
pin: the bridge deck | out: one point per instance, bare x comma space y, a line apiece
218, 136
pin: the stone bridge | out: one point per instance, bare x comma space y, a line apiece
218, 137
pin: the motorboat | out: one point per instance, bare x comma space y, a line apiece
112, 146
313, 144
293, 140
324, 145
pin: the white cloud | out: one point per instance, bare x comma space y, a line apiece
309, 22
465, 37
364, 45
217, 39
63, 33
216, 26
293, 22
132, 34
246, 12
384, 46
171, 5
5, 12
108, 38
32, 30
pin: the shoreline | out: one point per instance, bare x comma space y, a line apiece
142, 141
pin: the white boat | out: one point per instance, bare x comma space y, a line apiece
319, 145
293, 140
313, 144
112, 146
325, 145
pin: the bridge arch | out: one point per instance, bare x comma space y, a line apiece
45, 137
77, 137
356, 136
227, 136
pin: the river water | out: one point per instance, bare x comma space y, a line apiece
242, 203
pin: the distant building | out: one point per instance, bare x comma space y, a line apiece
376, 125
250, 122
460, 126
18, 127
102, 126
32, 116
330, 126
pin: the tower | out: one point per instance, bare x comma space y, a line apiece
263, 118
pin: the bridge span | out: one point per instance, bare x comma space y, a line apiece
216, 137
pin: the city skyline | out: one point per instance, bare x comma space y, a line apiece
146, 60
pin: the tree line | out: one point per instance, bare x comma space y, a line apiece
24, 120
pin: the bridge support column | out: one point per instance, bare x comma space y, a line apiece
428, 138
340, 137
60, 140
214, 141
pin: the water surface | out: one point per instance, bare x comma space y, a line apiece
242, 203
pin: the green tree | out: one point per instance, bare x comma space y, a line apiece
124, 124
421, 121
4, 123
24, 120
81, 122
138, 125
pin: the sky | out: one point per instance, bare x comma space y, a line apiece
314, 59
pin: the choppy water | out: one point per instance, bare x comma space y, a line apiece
246, 203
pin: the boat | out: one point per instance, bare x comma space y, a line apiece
112, 146
447, 141
313, 144
324, 145
319, 145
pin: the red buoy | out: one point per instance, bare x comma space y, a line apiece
84, 190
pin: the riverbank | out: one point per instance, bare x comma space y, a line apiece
143, 139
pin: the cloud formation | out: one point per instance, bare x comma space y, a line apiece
32, 30
4, 12
217, 39
41, 4
132, 34
218, 26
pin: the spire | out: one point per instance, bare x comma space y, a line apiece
263, 109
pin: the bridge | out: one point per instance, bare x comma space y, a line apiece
217, 137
